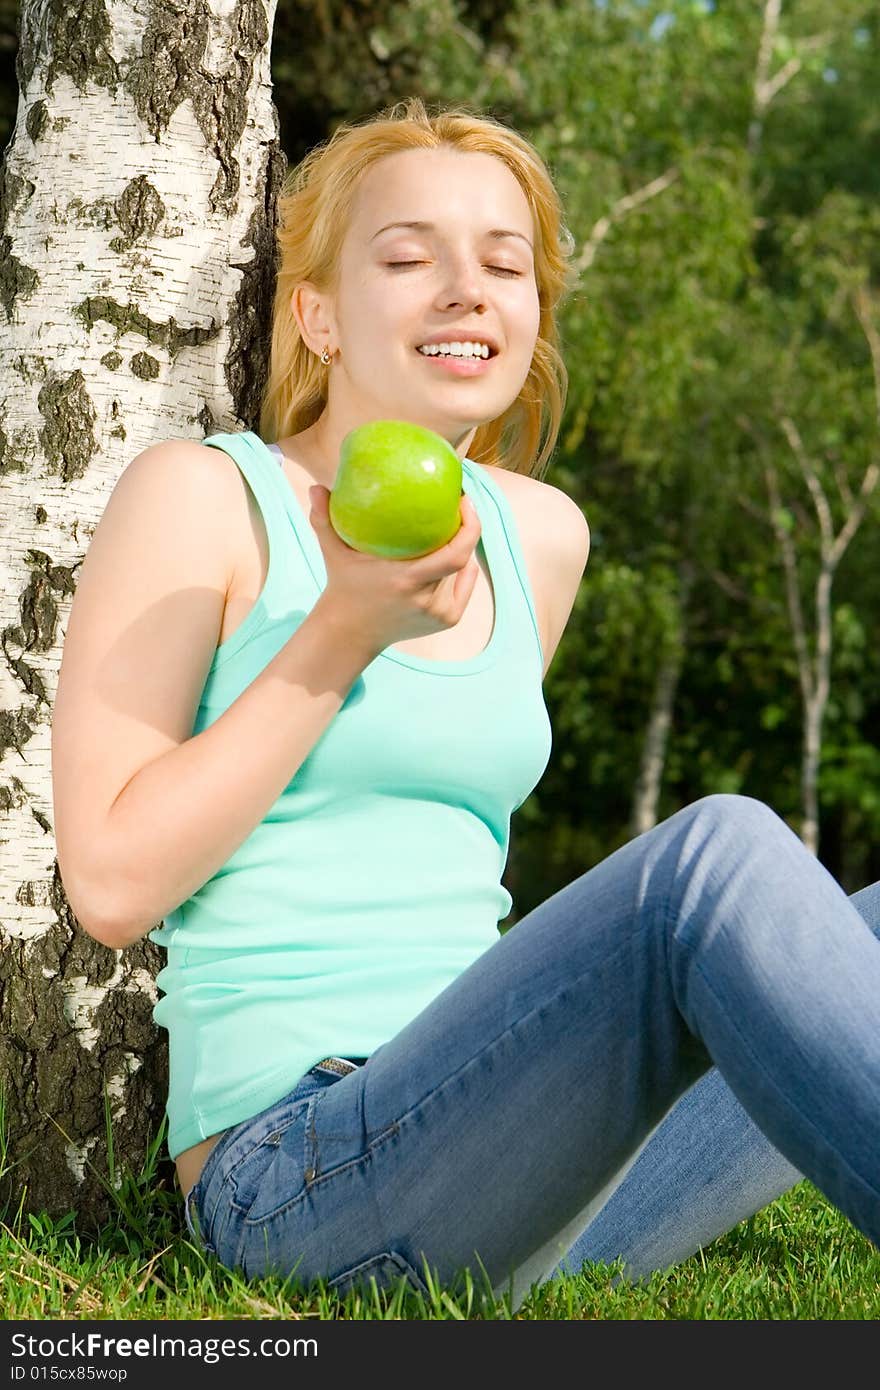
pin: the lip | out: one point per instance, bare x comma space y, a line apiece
458, 366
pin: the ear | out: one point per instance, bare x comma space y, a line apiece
313, 312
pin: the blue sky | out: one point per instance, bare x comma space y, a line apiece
663, 20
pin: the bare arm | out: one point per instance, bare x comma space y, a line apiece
145, 811
182, 816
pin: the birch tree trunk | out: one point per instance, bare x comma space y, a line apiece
814, 667
814, 660
646, 798
137, 204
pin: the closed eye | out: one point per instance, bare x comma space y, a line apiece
499, 269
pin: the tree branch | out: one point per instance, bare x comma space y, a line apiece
792, 587
765, 87
842, 480
817, 492
769, 29
862, 306
856, 516
619, 211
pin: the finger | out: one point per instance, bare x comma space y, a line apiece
471, 522
464, 585
319, 516
449, 558
460, 546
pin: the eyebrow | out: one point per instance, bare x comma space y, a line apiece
497, 232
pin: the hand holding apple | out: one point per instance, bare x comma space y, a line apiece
380, 601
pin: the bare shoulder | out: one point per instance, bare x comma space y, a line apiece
547, 514
524, 485
197, 481
187, 466
141, 635
555, 538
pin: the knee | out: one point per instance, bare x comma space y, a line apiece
740, 815
731, 845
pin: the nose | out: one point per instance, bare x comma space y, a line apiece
462, 286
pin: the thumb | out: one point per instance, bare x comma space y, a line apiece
318, 498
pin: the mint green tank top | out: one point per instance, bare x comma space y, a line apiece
375, 878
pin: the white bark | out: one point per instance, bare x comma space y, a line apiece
135, 280
814, 666
766, 86
646, 799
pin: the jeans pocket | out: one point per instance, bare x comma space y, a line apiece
221, 1198
286, 1169
231, 1196
386, 1269
193, 1219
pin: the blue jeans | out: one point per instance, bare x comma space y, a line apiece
662, 1047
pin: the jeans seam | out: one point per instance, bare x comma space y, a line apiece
313, 1177
394, 1127
223, 1143
545, 1004
805, 1119
194, 1223
197, 1197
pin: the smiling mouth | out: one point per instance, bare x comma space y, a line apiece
462, 367
458, 356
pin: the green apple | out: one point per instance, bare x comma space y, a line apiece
397, 491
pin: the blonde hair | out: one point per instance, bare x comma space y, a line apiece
314, 210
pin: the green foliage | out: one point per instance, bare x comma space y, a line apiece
723, 244
708, 314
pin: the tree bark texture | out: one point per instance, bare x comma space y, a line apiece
137, 220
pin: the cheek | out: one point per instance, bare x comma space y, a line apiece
531, 313
536, 309
365, 301
532, 322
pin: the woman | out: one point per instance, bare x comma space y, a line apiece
303, 761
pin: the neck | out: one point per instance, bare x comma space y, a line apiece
323, 441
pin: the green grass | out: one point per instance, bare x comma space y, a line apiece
798, 1258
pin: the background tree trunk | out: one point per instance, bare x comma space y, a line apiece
646, 801
137, 205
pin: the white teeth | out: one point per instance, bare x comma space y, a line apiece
454, 349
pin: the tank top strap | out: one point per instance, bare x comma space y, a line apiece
498, 514
263, 476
